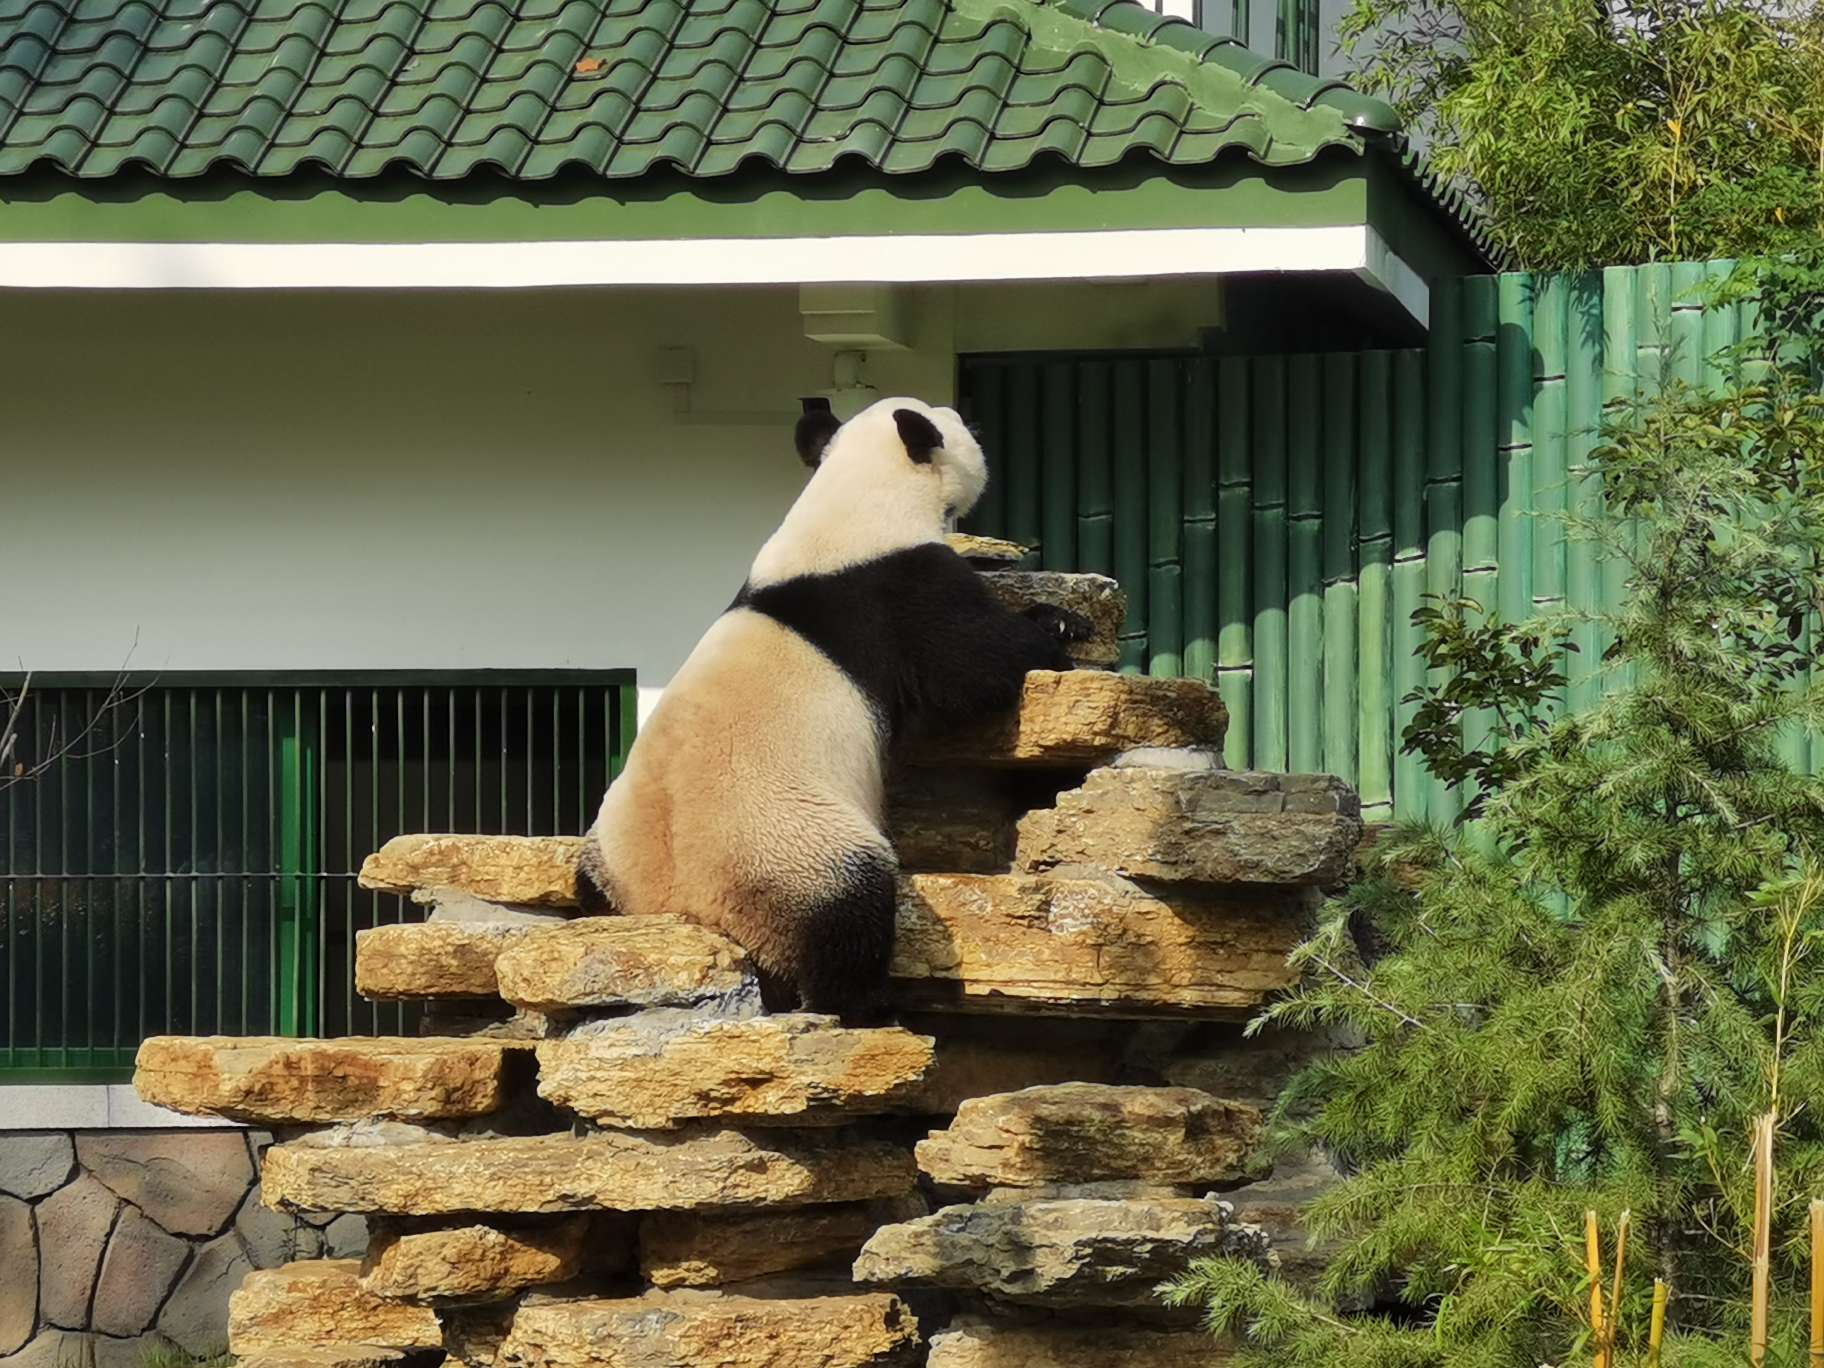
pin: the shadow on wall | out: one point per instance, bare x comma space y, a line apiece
122, 1247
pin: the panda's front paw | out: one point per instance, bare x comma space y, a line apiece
1070, 626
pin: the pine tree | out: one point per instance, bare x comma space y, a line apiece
1586, 1003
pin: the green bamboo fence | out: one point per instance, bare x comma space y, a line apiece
1275, 520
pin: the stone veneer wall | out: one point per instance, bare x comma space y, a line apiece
117, 1244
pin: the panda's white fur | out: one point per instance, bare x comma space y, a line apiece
752, 799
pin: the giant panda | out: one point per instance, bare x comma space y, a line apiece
752, 799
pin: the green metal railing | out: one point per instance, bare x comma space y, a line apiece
189, 865
1275, 520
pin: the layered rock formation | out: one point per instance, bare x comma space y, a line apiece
610, 1156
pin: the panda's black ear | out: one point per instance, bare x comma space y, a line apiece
919, 434
815, 428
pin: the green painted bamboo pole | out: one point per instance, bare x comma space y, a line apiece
1165, 519
1057, 469
1718, 332
1620, 379
1481, 474
1583, 489
1304, 566
988, 409
1339, 698
1234, 551
1095, 471
1686, 340
1411, 785
1024, 524
1129, 379
1199, 500
1374, 581
1444, 480
1551, 306
1268, 408
1515, 530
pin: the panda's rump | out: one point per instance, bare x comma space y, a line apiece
754, 786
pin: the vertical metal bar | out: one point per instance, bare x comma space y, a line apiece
1268, 545
1199, 508
118, 938
170, 768
346, 876
274, 857
1055, 468
1165, 521
504, 784
220, 861
95, 888
244, 859
1304, 568
143, 959
531, 783
66, 907
1234, 530
1340, 604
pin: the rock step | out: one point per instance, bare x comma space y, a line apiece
693, 1170
1213, 826
1090, 1133
625, 962
431, 959
536, 871
964, 942
706, 1249
1080, 947
1058, 1252
320, 1304
269, 1080
977, 1343
472, 1262
663, 1329
1083, 718
1097, 597
656, 1069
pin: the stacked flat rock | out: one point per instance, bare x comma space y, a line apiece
603, 1152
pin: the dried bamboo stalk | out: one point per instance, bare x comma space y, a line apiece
1817, 1284
1656, 1334
1763, 1242
1621, 1256
1592, 1253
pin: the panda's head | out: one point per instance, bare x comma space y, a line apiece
898, 442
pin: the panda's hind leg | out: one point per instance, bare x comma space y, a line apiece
846, 941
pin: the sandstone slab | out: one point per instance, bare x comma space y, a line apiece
1218, 826
270, 1080
706, 1249
19, 1288
73, 1225
1093, 1132
657, 1069
974, 1343
614, 1171
195, 1316
319, 1304
474, 1261
139, 1267
431, 959
190, 1182
1085, 946
955, 821
688, 1329
1083, 718
33, 1165
538, 871
1070, 1252
624, 962
1097, 597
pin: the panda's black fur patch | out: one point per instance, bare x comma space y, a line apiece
920, 634
813, 433
846, 940
919, 433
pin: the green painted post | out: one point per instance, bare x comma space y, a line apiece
1269, 558
1056, 467
1341, 598
1444, 479
1095, 471
1165, 520
1021, 440
1199, 501
1130, 523
1234, 551
1375, 602
1583, 489
1411, 784
1304, 567
1551, 302
1515, 528
987, 406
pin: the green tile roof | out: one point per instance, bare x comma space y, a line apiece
531, 88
